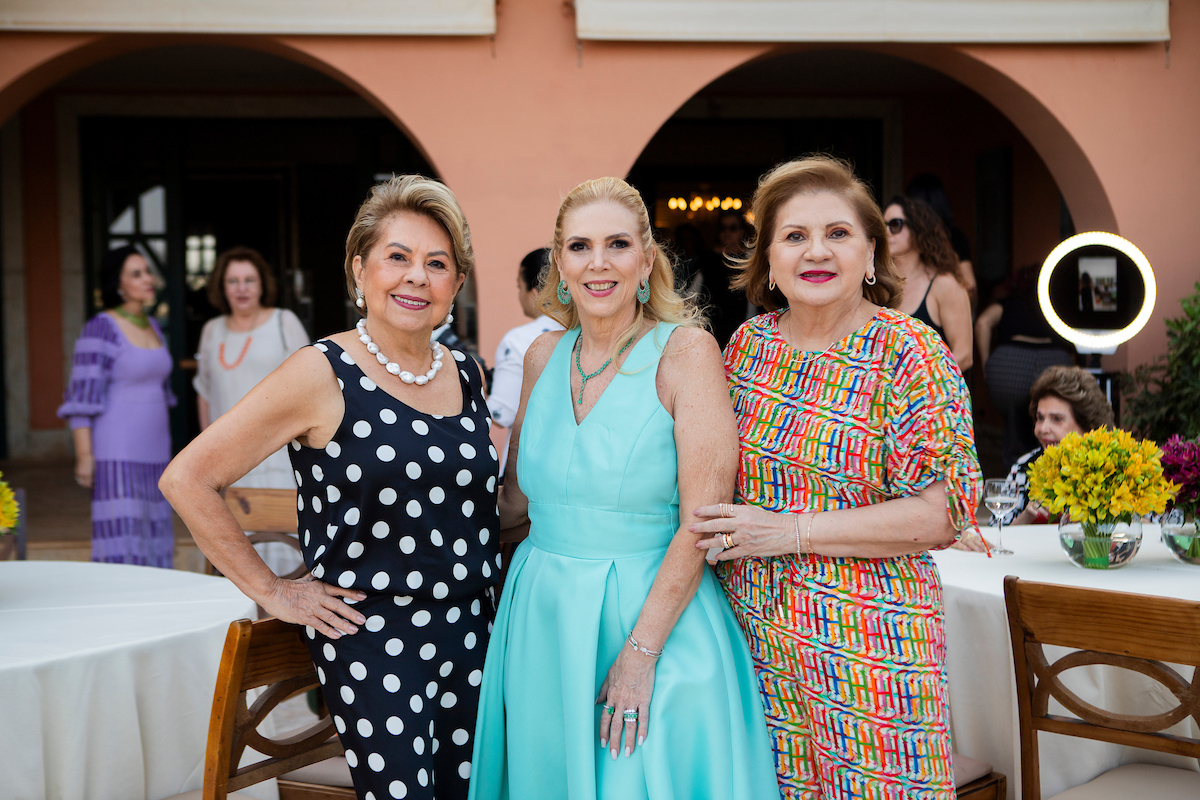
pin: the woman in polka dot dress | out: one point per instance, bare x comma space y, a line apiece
396, 502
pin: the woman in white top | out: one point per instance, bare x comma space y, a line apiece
237, 350
509, 372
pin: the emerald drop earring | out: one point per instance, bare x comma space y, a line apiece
564, 294
643, 292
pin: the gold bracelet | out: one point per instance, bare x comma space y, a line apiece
808, 534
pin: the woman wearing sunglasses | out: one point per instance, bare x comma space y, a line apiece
933, 291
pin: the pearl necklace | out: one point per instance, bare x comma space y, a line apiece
392, 366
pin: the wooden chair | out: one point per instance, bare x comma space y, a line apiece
1130, 631
270, 514
975, 780
271, 654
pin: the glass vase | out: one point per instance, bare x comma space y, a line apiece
1180, 536
1100, 545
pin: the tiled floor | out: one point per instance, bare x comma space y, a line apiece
58, 525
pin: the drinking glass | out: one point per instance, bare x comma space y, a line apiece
1000, 496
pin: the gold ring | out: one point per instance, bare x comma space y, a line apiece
728, 539
726, 510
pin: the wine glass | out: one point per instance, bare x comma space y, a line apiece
1000, 496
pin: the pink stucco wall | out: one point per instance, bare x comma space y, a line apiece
513, 122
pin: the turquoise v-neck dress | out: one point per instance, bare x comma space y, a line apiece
603, 507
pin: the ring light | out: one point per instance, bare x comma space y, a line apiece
1084, 338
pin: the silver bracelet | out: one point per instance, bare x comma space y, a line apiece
643, 650
796, 525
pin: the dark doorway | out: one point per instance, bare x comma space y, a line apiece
186, 189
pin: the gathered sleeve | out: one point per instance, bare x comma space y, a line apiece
202, 383
91, 371
293, 333
930, 434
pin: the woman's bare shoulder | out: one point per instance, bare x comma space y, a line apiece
946, 285
540, 351
689, 354
308, 368
690, 344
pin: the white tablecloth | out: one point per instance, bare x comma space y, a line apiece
979, 654
106, 678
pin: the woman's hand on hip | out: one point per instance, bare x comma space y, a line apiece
745, 530
308, 601
627, 687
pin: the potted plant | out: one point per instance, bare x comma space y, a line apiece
1181, 465
1162, 399
1102, 482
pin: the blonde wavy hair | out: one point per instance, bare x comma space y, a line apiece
664, 305
414, 194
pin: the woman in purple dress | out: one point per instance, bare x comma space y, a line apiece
117, 404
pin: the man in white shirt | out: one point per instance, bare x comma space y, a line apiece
510, 355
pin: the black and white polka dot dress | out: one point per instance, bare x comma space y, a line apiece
401, 505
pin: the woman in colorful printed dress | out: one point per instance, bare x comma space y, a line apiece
116, 403
856, 459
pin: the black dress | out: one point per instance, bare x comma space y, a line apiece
401, 505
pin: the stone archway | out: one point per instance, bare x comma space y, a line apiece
36, 62
52, 170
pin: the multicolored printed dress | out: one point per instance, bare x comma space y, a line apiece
850, 652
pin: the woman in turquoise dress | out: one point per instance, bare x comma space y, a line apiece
616, 668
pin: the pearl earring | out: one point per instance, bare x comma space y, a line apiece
359, 302
449, 315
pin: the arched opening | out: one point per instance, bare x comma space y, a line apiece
185, 150
896, 120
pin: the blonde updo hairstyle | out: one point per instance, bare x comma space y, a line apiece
819, 173
413, 194
664, 305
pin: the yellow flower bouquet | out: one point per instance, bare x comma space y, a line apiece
8, 507
1098, 480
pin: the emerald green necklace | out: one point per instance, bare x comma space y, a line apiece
584, 378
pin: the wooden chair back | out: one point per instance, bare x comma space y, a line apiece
1131, 631
271, 516
271, 654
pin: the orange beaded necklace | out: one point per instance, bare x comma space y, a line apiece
234, 365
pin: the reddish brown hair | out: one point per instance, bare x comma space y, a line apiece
216, 281
808, 176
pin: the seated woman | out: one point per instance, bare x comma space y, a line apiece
1062, 400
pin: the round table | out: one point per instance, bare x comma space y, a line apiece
983, 705
106, 677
